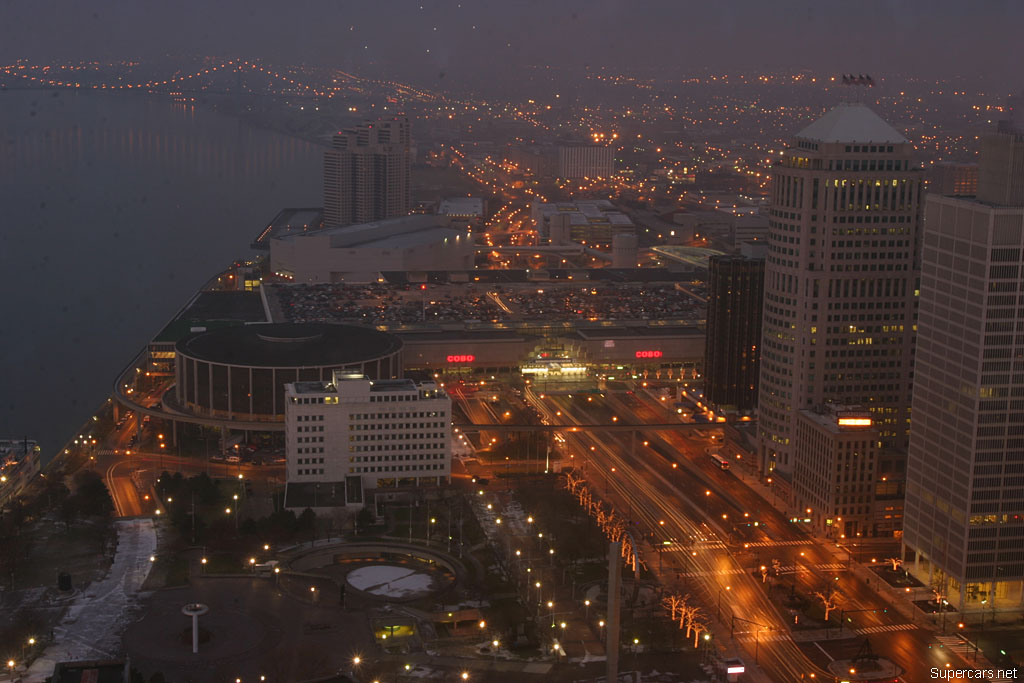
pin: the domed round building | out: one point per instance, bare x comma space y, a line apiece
239, 372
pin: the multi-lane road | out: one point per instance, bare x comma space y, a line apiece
665, 484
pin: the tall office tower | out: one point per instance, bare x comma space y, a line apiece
964, 520
366, 173
840, 280
735, 298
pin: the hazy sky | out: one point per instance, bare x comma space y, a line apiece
422, 39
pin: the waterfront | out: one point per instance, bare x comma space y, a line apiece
116, 209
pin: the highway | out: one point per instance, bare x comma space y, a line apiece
705, 511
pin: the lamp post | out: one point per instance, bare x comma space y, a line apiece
728, 588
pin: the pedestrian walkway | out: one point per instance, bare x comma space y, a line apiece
92, 626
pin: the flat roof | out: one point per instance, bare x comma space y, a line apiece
289, 221
598, 333
289, 345
214, 310
390, 232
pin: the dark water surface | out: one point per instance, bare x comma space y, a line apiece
114, 209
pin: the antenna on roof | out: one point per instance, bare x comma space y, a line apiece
862, 80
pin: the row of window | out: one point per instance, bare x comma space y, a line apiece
309, 418
315, 400
389, 447
397, 468
394, 437
392, 398
396, 416
390, 458
392, 425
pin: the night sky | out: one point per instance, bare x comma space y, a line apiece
476, 42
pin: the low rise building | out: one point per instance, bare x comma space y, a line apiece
594, 221
352, 440
358, 253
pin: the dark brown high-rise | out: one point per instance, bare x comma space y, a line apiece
735, 292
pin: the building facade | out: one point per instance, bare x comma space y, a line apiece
351, 437
837, 450
841, 277
735, 297
964, 524
366, 173
586, 161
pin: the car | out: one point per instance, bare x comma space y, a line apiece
233, 458
216, 458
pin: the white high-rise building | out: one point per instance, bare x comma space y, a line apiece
366, 173
353, 437
840, 281
964, 520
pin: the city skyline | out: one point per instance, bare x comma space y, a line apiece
452, 43
467, 341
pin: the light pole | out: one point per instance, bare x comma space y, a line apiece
728, 588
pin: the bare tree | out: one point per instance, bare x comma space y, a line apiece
691, 614
938, 586
830, 600
698, 627
895, 562
674, 603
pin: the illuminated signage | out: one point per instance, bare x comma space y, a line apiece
648, 354
736, 669
462, 358
855, 422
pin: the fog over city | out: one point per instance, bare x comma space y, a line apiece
486, 44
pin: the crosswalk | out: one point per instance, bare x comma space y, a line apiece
969, 653
764, 637
955, 644
768, 544
785, 569
884, 628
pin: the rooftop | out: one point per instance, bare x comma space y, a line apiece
289, 345
214, 309
404, 231
851, 122
462, 206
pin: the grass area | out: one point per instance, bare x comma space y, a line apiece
224, 563
82, 551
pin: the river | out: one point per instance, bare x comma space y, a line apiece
115, 209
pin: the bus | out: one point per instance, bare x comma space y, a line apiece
722, 462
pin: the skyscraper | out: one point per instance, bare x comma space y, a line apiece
366, 173
735, 294
840, 280
964, 521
